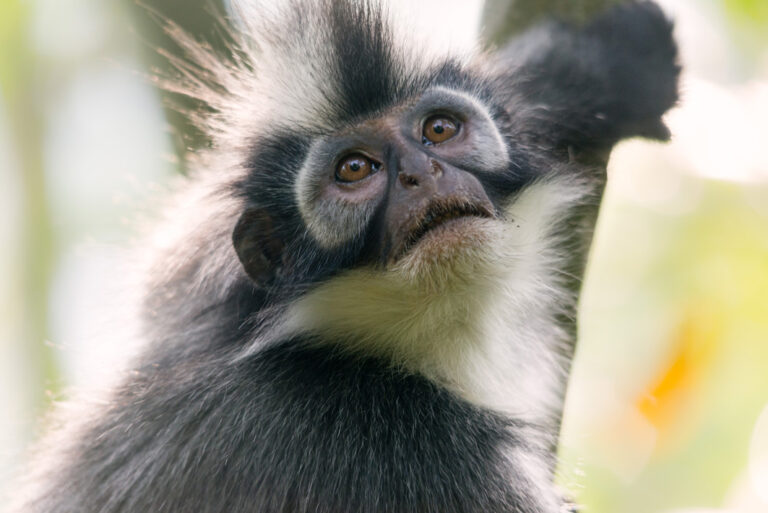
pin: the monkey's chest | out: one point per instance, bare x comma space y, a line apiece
330, 433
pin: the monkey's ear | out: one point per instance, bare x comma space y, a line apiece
258, 247
588, 87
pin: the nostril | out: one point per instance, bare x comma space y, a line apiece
408, 180
435, 167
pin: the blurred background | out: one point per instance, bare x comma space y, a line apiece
668, 405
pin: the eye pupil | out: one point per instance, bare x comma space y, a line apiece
355, 166
438, 129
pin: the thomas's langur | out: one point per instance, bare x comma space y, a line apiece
367, 299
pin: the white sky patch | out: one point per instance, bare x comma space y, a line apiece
702, 36
83, 324
758, 458
452, 25
457, 21
719, 130
723, 131
66, 28
104, 146
15, 383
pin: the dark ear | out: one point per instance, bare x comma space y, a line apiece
588, 87
258, 247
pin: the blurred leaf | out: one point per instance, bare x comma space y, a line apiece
693, 349
748, 20
12, 17
23, 84
753, 12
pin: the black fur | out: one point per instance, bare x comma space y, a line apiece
591, 87
361, 437
294, 424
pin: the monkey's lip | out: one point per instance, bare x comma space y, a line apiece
439, 217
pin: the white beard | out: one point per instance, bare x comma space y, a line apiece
478, 319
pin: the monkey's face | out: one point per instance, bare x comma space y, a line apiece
408, 181
429, 191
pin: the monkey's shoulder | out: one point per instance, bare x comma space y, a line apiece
295, 429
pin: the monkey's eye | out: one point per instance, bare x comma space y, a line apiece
355, 167
439, 128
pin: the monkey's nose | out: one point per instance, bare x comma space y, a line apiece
408, 180
419, 174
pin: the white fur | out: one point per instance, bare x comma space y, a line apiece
538, 477
288, 77
436, 28
279, 74
481, 324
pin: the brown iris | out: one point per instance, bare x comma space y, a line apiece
355, 167
439, 129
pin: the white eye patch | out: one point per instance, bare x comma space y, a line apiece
482, 147
333, 217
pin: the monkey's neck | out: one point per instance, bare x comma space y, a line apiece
487, 342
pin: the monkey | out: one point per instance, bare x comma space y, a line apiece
365, 297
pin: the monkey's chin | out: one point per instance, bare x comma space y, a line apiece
455, 249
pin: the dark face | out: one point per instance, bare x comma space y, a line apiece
427, 184
403, 177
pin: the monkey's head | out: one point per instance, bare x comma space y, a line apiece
414, 191
401, 198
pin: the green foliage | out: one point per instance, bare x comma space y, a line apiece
748, 23
749, 12
21, 85
13, 16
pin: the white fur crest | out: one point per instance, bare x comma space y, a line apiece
293, 52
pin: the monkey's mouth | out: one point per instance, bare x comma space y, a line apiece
439, 215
